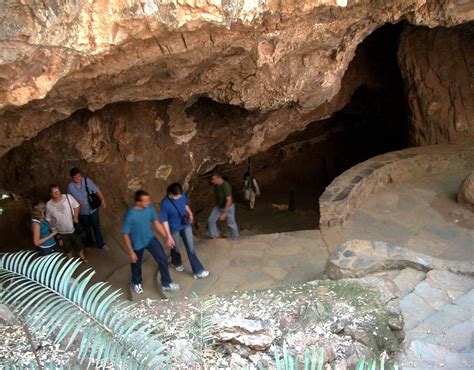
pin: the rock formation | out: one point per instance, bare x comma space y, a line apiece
259, 55
437, 66
141, 94
466, 192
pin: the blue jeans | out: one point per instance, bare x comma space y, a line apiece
92, 222
214, 216
156, 250
187, 235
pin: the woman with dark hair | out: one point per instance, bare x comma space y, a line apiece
43, 233
177, 217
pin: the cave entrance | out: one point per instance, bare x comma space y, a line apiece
373, 122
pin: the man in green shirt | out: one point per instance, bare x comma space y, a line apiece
224, 209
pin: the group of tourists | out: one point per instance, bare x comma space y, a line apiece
65, 217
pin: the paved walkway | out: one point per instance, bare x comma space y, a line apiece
252, 262
436, 298
420, 214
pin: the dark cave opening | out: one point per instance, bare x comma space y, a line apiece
373, 122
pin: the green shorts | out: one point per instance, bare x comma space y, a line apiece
71, 242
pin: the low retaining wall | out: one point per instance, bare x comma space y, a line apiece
346, 192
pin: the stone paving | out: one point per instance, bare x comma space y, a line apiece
346, 192
251, 262
437, 303
420, 214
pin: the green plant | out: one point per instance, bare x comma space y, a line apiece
202, 326
372, 364
311, 360
46, 298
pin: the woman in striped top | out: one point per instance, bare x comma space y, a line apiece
43, 234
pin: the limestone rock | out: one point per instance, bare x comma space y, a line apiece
6, 316
255, 334
436, 65
260, 55
466, 192
355, 352
357, 258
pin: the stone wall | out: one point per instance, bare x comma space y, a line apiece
342, 197
438, 69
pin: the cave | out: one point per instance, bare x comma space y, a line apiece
128, 145
374, 121
356, 119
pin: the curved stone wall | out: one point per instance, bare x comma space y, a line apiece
346, 192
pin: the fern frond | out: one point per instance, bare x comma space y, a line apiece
48, 298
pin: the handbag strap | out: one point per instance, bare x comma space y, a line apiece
172, 202
87, 188
70, 207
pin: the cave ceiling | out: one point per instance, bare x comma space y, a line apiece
283, 61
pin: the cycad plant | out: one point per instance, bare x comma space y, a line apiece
313, 361
88, 317
202, 327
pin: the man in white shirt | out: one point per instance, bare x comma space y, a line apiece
62, 211
251, 189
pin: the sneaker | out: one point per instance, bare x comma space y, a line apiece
105, 248
173, 288
179, 268
137, 288
218, 236
201, 275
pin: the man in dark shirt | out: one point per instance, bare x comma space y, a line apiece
224, 209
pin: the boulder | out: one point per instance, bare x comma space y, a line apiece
255, 334
466, 192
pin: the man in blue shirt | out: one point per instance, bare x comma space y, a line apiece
89, 218
177, 217
138, 236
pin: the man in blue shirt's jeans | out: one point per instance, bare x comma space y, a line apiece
138, 235
89, 218
177, 217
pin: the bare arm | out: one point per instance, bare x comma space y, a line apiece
190, 214
257, 188
162, 231
36, 235
228, 203
128, 245
102, 199
169, 238
76, 214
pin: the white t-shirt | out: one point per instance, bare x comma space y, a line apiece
61, 214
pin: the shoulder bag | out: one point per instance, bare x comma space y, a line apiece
184, 218
92, 198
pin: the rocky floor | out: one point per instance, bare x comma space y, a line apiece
435, 296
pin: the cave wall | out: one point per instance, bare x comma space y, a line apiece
131, 145
438, 69
138, 95
264, 56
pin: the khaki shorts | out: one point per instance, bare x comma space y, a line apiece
71, 242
